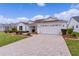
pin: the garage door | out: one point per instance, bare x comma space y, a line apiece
49, 30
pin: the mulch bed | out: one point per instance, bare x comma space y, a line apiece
70, 37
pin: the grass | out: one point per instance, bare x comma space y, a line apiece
77, 33
73, 46
7, 38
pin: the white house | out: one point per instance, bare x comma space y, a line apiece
22, 26
2, 27
43, 26
74, 23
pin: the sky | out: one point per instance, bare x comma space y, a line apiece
15, 12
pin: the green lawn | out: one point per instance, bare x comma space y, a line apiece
7, 38
73, 46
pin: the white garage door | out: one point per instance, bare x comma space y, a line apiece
49, 30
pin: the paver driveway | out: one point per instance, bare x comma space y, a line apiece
37, 45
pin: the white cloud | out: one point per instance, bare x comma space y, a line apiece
76, 6
40, 17
10, 20
66, 15
22, 19
37, 17
41, 4
4, 19
46, 16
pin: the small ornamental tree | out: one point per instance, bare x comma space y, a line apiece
14, 30
69, 31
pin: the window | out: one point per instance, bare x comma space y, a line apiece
63, 25
33, 26
76, 26
20, 28
72, 27
56, 25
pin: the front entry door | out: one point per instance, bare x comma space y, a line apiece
33, 29
20, 28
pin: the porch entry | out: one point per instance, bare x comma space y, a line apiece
20, 28
33, 29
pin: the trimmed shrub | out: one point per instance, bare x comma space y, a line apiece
6, 31
69, 31
28, 34
76, 33
27, 31
19, 32
10, 31
63, 31
13, 30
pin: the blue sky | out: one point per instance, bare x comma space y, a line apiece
29, 10
12, 12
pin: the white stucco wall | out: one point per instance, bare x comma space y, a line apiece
74, 23
25, 27
50, 28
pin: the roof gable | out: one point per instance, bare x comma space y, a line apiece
76, 18
49, 19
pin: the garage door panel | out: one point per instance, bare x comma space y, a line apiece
49, 30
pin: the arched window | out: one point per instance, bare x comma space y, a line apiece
76, 26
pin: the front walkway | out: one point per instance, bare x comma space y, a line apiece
38, 45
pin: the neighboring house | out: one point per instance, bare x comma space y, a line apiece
74, 23
49, 25
4, 27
